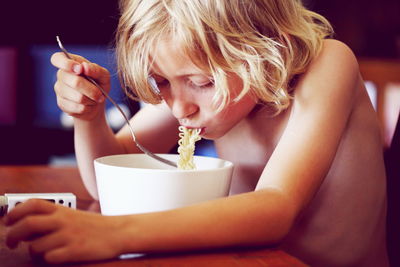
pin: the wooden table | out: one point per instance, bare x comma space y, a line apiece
44, 179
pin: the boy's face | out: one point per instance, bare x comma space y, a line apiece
189, 91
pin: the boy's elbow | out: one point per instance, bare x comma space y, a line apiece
281, 225
277, 220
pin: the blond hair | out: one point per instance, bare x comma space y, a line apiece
265, 42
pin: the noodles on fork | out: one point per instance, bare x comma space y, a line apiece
186, 143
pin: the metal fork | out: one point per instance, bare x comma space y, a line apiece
142, 148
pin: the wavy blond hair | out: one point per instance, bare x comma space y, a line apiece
265, 42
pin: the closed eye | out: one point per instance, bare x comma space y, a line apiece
205, 85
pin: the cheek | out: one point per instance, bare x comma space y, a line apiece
238, 111
235, 85
206, 100
165, 93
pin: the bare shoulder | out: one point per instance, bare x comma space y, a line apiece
335, 48
333, 72
338, 46
335, 59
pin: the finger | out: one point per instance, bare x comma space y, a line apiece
64, 91
60, 60
64, 254
58, 255
81, 84
30, 207
74, 109
30, 228
100, 74
46, 243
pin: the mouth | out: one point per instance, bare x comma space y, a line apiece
202, 129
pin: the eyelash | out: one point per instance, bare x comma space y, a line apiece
165, 83
203, 86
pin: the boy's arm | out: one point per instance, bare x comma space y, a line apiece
255, 218
323, 102
60, 234
79, 98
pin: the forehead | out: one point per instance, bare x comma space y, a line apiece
169, 58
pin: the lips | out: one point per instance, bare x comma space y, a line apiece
202, 129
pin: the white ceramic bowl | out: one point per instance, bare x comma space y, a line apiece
136, 183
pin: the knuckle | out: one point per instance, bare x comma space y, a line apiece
79, 108
76, 82
58, 74
59, 103
30, 222
95, 94
35, 204
80, 98
56, 86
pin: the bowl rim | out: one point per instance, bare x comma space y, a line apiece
227, 164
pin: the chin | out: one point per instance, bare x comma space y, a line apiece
211, 136
206, 137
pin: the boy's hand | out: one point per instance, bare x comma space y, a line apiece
59, 234
75, 95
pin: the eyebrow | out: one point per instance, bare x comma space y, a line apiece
183, 73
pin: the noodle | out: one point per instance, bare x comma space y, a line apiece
186, 147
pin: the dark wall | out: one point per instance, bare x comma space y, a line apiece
24, 24
84, 21
370, 28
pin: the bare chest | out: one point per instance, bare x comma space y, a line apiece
249, 158
249, 146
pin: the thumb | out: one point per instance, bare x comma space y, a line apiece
96, 72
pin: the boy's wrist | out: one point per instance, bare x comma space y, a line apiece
97, 120
123, 238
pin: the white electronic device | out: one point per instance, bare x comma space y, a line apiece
9, 201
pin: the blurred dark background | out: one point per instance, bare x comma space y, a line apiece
31, 131
371, 28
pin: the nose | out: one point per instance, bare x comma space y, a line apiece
183, 109
181, 101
